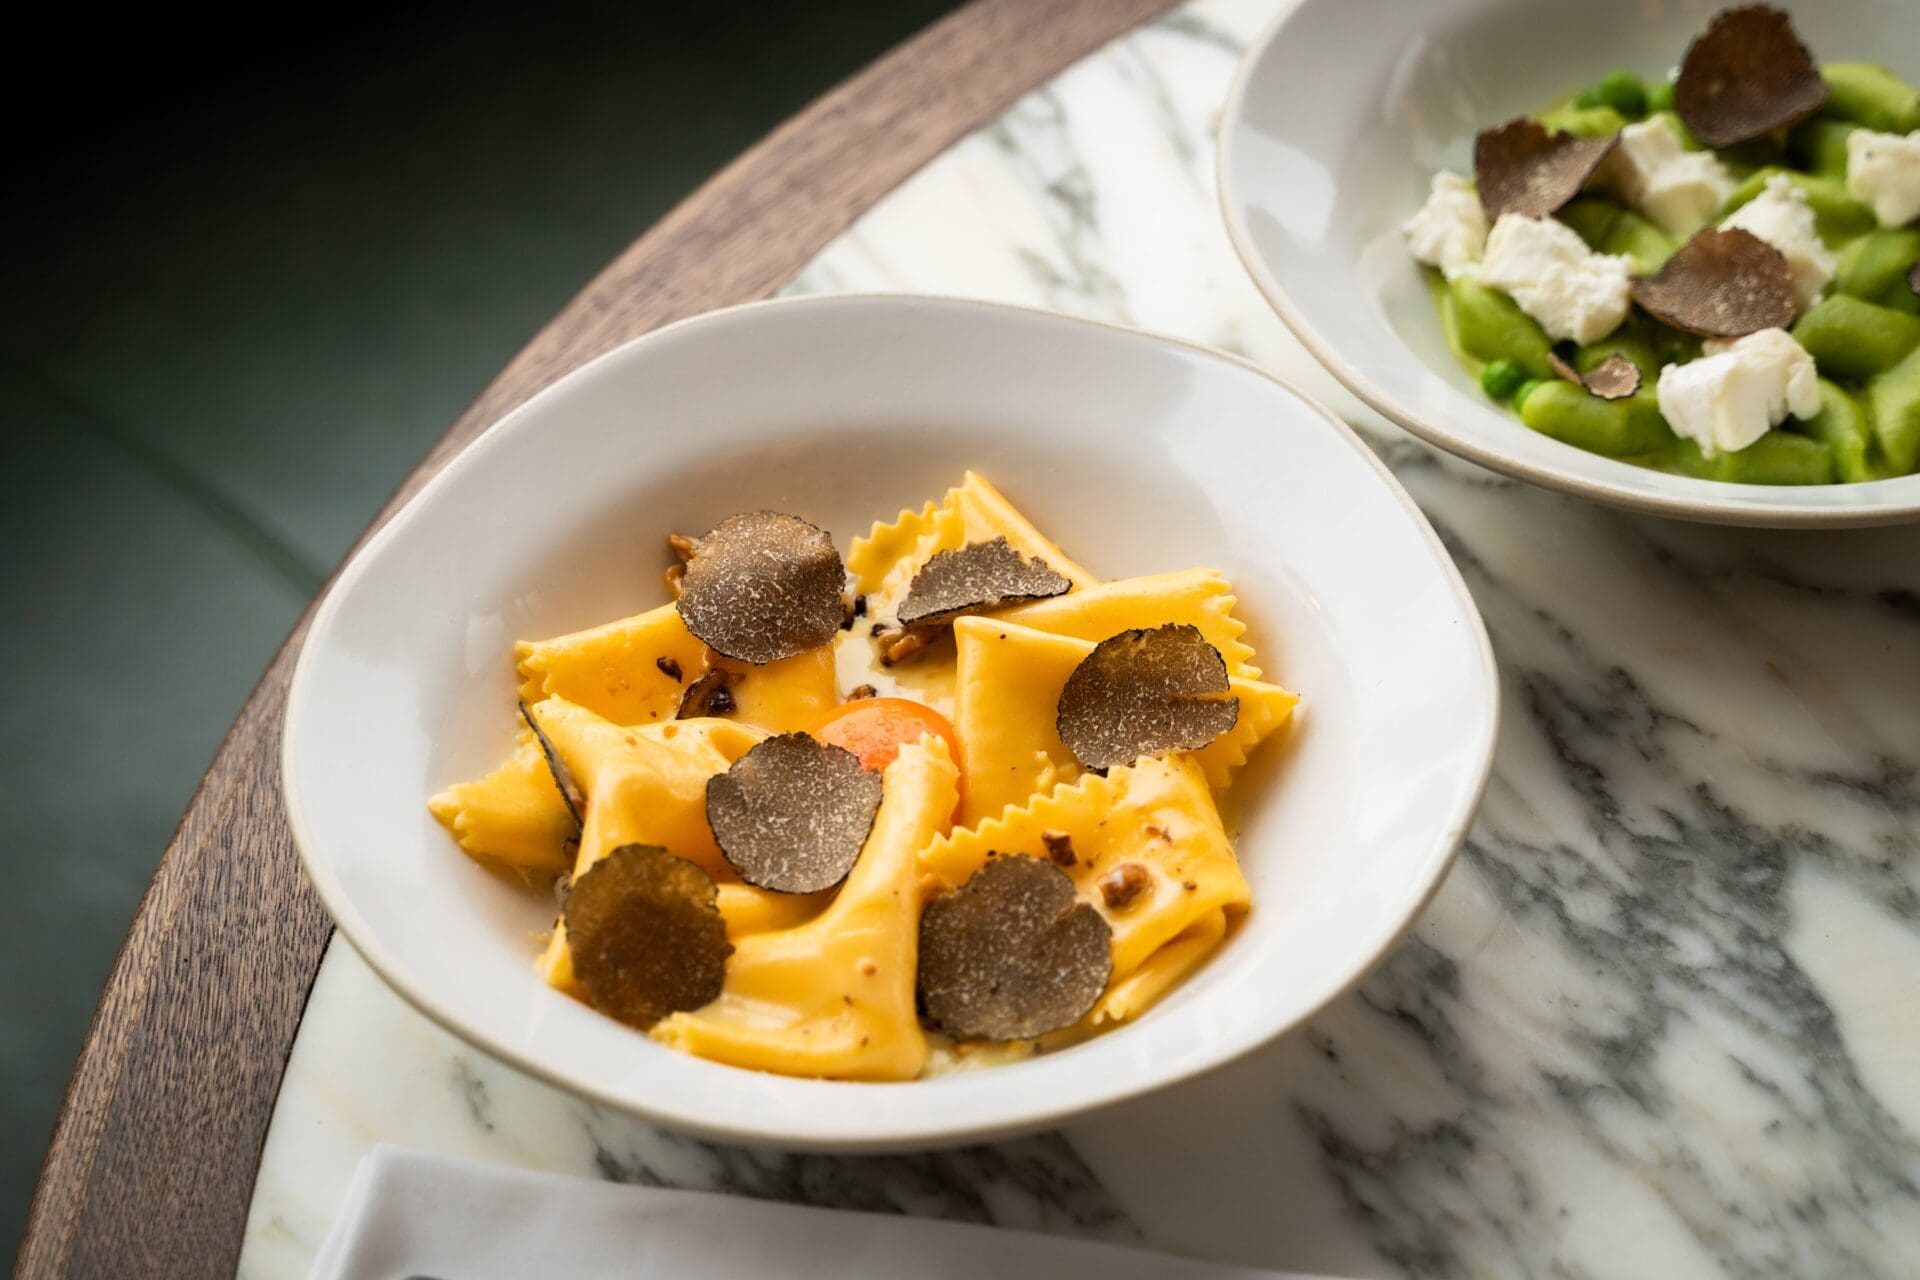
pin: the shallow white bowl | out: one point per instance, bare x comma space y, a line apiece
1343, 110
1137, 453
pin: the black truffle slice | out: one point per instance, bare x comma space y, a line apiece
1144, 692
1913, 279
792, 814
978, 576
1611, 379
1747, 74
1723, 283
1523, 167
1614, 378
1012, 954
762, 586
646, 936
570, 792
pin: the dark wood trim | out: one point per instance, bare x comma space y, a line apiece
152, 1165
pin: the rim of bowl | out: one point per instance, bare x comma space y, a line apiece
1723, 503
1008, 1120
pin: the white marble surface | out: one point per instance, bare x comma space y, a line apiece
1663, 1019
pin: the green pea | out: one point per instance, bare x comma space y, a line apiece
1841, 425
1874, 268
1821, 145
1502, 378
1587, 100
1870, 95
1584, 122
1490, 326
1837, 216
1660, 96
1778, 457
1616, 428
1893, 403
1848, 338
1624, 92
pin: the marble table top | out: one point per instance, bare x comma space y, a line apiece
1664, 1017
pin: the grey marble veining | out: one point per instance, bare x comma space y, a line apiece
1663, 1019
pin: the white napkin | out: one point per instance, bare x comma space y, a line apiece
410, 1214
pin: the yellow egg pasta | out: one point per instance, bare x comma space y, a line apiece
1157, 814
963, 734
835, 996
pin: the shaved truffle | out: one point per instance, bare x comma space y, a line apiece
645, 934
792, 814
1523, 167
1746, 75
1614, 378
1144, 692
978, 576
1012, 954
710, 695
1723, 283
570, 792
1913, 279
762, 586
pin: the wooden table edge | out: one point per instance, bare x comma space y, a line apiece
152, 1163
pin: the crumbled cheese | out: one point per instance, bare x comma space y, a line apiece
1679, 190
1781, 216
1739, 390
1450, 231
1883, 170
1549, 271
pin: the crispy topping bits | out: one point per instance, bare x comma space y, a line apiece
645, 934
1523, 167
710, 695
670, 668
761, 586
897, 644
978, 577
1144, 692
792, 814
1723, 283
1012, 954
1120, 886
1745, 75
570, 791
860, 691
1059, 848
1614, 378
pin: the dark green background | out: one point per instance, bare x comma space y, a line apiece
249, 277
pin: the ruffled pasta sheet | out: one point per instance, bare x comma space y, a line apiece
834, 997
615, 671
1007, 691
513, 815
883, 563
1158, 813
648, 785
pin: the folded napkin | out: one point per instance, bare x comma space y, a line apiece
409, 1214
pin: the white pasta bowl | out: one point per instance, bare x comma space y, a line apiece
1343, 110
1137, 453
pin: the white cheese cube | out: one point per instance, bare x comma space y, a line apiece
1678, 190
1548, 270
1781, 216
1739, 390
1450, 231
1883, 170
